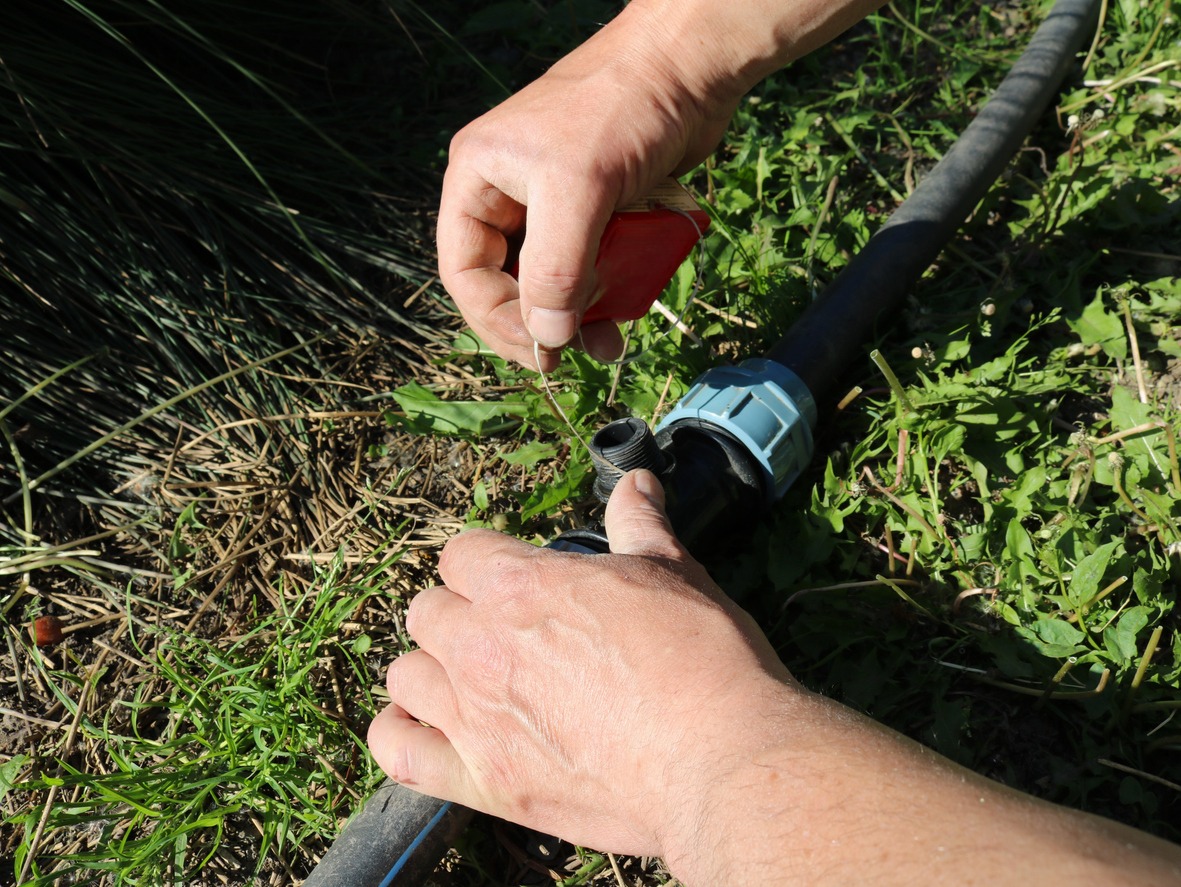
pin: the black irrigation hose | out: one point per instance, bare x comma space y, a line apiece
819, 345
398, 838
400, 834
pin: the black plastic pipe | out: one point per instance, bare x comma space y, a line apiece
836, 326
399, 836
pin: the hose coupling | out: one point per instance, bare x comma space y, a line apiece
762, 404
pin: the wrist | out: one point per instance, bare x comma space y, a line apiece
750, 772
722, 50
719, 50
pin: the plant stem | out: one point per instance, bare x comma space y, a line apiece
1146, 659
892, 380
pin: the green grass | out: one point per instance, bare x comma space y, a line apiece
1025, 624
992, 566
251, 734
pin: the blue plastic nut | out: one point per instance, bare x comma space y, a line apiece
762, 404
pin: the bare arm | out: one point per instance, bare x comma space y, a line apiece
840, 799
622, 702
650, 94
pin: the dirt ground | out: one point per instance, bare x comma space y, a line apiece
208, 536
202, 537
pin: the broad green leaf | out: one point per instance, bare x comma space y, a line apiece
1147, 586
480, 496
1020, 550
1006, 612
1121, 637
1057, 631
1171, 347
467, 342
957, 349
946, 440
1131, 474
425, 413
10, 771
530, 454
1088, 573
1098, 325
1052, 637
545, 497
1022, 495
1126, 410
762, 173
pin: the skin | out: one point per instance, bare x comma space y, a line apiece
650, 94
623, 702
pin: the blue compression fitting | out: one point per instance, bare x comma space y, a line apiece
762, 404
406, 854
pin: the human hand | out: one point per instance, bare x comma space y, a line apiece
620, 701
588, 696
647, 96
545, 170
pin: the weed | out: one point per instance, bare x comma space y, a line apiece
258, 733
992, 570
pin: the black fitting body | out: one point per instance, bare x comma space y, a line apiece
713, 486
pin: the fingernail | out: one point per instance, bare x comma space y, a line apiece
551, 327
648, 485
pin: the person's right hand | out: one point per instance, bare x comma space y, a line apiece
545, 170
601, 698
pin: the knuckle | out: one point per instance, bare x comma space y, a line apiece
519, 583
458, 550
394, 677
418, 613
463, 140
413, 615
553, 283
513, 581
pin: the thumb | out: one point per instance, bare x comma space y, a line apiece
636, 521
557, 276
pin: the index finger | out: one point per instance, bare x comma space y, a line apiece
475, 226
479, 563
476, 220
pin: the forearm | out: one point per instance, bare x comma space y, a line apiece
721, 50
843, 800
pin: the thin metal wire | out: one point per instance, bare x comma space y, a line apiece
624, 361
553, 399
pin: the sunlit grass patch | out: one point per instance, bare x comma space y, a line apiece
990, 567
258, 733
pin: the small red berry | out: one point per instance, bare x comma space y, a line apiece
47, 630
